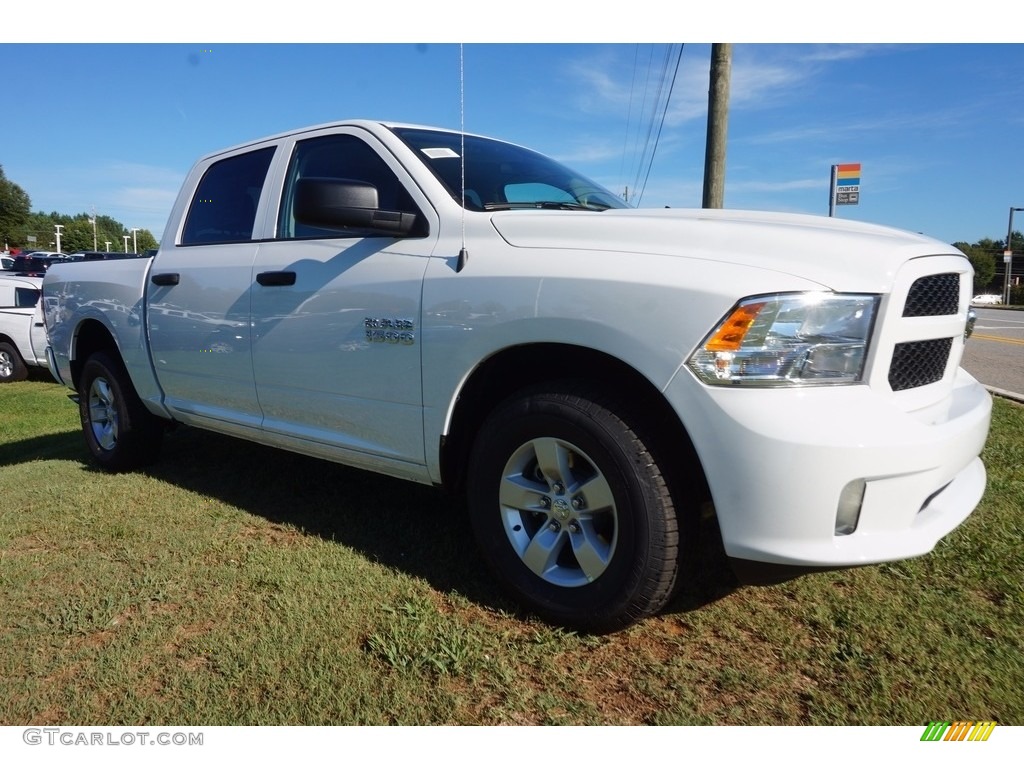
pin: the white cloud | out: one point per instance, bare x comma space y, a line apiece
135, 194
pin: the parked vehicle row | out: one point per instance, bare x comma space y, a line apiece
37, 262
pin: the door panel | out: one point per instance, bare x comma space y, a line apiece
336, 313
199, 332
336, 354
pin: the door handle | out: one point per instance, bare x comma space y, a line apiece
166, 278
276, 278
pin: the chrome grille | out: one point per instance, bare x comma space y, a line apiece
917, 363
933, 295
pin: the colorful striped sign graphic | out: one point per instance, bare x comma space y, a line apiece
959, 731
848, 175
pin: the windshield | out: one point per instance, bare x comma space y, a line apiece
502, 176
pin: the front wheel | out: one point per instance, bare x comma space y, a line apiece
119, 432
572, 512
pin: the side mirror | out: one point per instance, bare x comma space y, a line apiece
346, 203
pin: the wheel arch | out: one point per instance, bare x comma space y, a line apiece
91, 336
531, 365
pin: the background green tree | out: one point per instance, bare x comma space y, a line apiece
1017, 239
77, 233
18, 224
14, 211
983, 260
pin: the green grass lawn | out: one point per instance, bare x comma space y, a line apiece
237, 585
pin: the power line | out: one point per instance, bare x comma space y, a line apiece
650, 119
647, 147
661, 121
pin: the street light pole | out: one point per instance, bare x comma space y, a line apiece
126, 243
1008, 257
135, 241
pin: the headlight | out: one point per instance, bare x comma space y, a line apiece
789, 339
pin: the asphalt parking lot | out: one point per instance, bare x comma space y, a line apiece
994, 355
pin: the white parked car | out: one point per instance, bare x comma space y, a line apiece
22, 333
987, 298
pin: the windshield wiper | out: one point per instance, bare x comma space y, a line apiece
548, 205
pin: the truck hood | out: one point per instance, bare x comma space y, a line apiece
837, 254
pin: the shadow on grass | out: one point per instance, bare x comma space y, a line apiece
67, 446
41, 374
413, 528
709, 577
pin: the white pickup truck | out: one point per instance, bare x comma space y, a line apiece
22, 335
463, 312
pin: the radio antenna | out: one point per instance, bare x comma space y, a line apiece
463, 253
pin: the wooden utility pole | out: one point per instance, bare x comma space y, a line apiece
718, 121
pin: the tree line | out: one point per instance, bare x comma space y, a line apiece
18, 224
985, 255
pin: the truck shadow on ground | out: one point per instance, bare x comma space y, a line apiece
66, 446
413, 528
403, 525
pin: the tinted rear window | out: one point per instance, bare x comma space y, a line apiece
223, 209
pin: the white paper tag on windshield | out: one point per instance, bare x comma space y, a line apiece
436, 153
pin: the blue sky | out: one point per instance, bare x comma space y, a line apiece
937, 127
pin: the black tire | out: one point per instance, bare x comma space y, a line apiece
12, 367
572, 512
120, 433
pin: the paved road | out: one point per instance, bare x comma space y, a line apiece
994, 355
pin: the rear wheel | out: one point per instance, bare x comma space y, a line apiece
572, 512
119, 432
12, 367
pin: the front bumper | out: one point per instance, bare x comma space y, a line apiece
777, 461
